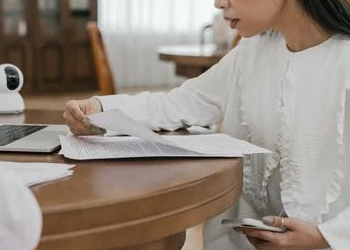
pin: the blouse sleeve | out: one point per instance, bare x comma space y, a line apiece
198, 101
337, 230
20, 215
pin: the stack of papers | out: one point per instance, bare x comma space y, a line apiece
35, 173
143, 142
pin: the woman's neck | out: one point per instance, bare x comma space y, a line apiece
300, 30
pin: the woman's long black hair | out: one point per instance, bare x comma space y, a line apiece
331, 15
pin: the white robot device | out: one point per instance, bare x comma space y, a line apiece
11, 82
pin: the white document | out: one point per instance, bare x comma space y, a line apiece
32, 173
145, 143
115, 120
212, 145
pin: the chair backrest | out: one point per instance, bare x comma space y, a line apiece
105, 79
236, 40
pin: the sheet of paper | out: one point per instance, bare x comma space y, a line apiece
84, 148
115, 120
217, 144
143, 142
32, 173
212, 145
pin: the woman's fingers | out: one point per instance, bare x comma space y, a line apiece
76, 127
263, 235
259, 243
76, 118
277, 221
77, 112
300, 235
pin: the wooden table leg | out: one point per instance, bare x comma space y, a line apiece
173, 242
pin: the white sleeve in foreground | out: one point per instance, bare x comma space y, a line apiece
20, 215
198, 101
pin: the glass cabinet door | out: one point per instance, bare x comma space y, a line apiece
50, 17
15, 22
80, 14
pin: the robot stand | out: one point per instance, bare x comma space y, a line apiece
11, 103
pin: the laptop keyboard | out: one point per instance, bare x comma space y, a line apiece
11, 133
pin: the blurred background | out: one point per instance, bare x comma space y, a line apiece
48, 41
133, 29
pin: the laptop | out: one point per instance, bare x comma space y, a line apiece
41, 138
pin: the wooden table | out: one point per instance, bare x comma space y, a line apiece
127, 204
191, 60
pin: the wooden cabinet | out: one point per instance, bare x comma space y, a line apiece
47, 39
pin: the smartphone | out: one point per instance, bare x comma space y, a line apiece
251, 223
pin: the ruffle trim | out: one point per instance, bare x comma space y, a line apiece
289, 186
259, 201
271, 163
292, 176
256, 190
247, 169
335, 184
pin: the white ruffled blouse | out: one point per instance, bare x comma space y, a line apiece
296, 105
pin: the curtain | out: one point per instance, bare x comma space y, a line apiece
133, 29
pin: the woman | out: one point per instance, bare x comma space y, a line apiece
284, 87
20, 215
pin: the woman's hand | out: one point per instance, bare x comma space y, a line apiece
300, 235
76, 116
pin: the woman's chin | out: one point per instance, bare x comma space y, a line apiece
247, 34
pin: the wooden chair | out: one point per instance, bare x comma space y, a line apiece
236, 40
105, 79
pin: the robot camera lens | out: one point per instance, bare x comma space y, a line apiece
12, 76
